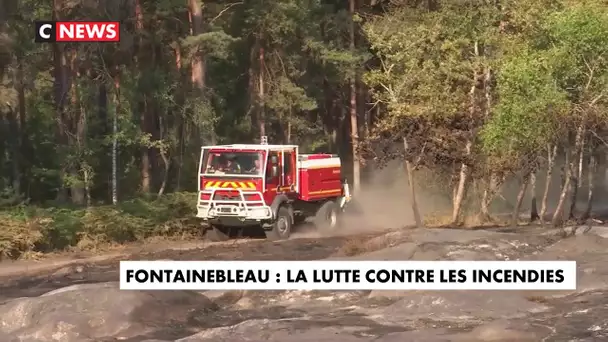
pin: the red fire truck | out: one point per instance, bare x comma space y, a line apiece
270, 186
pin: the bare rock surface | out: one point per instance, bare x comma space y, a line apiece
95, 311
83, 303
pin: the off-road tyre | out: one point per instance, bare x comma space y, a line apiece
327, 218
217, 233
282, 227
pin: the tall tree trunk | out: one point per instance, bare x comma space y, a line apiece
601, 164
153, 126
464, 168
410, 179
559, 209
61, 90
165, 158
354, 126
461, 188
581, 157
76, 136
87, 188
484, 210
142, 55
180, 119
520, 199
14, 151
590, 179
115, 137
261, 94
533, 205
367, 112
198, 61
103, 129
82, 129
5, 41
454, 182
24, 141
489, 191
493, 184
570, 169
551, 153
577, 173
146, 168
198, 64
252, 90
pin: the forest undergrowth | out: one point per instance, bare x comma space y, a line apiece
28, 230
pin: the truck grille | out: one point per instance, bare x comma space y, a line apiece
226, 198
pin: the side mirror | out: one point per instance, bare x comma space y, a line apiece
275, 171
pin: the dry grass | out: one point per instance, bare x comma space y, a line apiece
18, 237
437, 219
471, 221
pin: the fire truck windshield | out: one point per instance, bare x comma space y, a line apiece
233, 163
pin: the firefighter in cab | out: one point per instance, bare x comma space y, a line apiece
257, 165
232, 166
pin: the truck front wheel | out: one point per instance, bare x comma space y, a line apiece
327, 216
281, 228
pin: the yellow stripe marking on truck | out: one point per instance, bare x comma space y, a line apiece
232, 185
247, 185
323, 192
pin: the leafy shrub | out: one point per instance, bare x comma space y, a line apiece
34, 229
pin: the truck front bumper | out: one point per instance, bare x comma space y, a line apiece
236, 207
240, 212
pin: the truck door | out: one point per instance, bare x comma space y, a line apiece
273, 164
288, 180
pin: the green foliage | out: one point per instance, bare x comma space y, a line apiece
579, 37
426, 74
548, 60
541, 89
530, 110
215, 43
427, 65
35, 229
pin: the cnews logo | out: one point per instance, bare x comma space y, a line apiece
77, 31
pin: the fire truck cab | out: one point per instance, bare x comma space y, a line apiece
269, 186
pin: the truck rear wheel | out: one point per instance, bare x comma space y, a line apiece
217, 233
327, 216
281, 229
